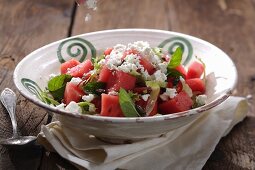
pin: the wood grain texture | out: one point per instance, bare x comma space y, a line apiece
114, 14
24, 27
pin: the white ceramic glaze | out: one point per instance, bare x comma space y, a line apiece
32, 73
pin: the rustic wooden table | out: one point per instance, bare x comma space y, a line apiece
29, 24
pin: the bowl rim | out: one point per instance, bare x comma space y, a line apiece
155, 118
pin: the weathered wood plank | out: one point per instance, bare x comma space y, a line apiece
25, 26
113, 14
230, 26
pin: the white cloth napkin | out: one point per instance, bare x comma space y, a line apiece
188, 147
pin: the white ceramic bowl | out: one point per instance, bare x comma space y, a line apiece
32, 73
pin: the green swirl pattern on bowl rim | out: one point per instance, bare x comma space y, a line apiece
82, 47
33, 88
172, 43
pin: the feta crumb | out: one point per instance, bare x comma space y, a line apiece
91, 4
163, 67
145, 97
76, 80
146, 75
127, 67
170, 93
61, 106
88, 98
119, 48
201, 99
142, 47
159, 76
92, 108
145, 50
74, 108
113, 93
52, 76
114, 59
185, 87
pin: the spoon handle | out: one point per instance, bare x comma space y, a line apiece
8, 98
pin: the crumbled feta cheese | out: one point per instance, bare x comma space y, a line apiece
201, 99
119, 48
145, 97
113, 93
163, 67
130, 63
52, 76
186, 88
127, 67
145, 50
113, 60
159, 76
170, 93
111, 66
142, 47
154, 59
146, 75
74, 108
76, 80
88, 98
61, 106
92, 108
91, 4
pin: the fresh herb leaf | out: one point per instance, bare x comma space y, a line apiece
94, 87
57, 84
133, 96
126, 104
85, 107
48, 99
176, 59
97, 59
174, 73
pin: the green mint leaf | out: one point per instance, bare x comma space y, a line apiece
57, 84
126, 104
48, 99
85, 107
174, 73
176, 58
94, 87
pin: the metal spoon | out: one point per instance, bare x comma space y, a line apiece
8, 98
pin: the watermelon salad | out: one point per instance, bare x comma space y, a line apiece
131, 80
